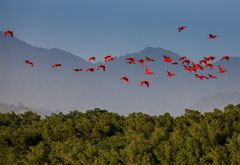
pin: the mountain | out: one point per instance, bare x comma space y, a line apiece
62, 89
217, 100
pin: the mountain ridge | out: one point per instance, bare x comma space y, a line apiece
64, 89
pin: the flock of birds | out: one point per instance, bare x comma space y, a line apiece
188, 65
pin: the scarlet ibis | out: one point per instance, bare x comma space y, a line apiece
221, 70
90, 69
203, 61
130, 60
212, 76
200, 77
147, 71
209, 65
8, 33
125, 79
78, 70
145, 82
170, 74
182, 58
109, 58
186, 62
29, 62
187, 68
91, 59
199, 66
225, 58
166, 58
141, 61
211, 58
181, 28
212, 36
56, 65
174, 63
149, 59
103, 67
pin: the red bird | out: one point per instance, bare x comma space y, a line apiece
29, 62
145, 82
187, 68
211, 58
174, 63
130, 60
149, 59
181, 28
109, 58
8, 33
147, 71
194, 65
199, 66
200, 77
170, 74
90, 69
203, 61
77, 70
141, 61
186, 62
56, 65
125, 79
212, 76
221, 70
91, 59
103, 67
166, 58
210, 66
225, 58
182, 58
212, 36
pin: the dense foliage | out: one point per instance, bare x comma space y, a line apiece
100, 137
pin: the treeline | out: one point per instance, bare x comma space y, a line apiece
99, 137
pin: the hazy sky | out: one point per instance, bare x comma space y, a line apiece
99, 27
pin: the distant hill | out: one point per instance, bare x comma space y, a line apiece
63, 89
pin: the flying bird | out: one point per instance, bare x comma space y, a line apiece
174, 63
182, 58
212, 36
56, 65
212, 76
209, 66
125, 79
141, 61
181, 28
28, 62
200, 77
109, 58
167, 59
8, 33
203, 61
170, 74
130, 60
90, 69
210, 58
187, 68
91, 59
225, 58
149, 59
103, 67
221, 70
186, 62
145, 82
147, 71
77, 70
199, 66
